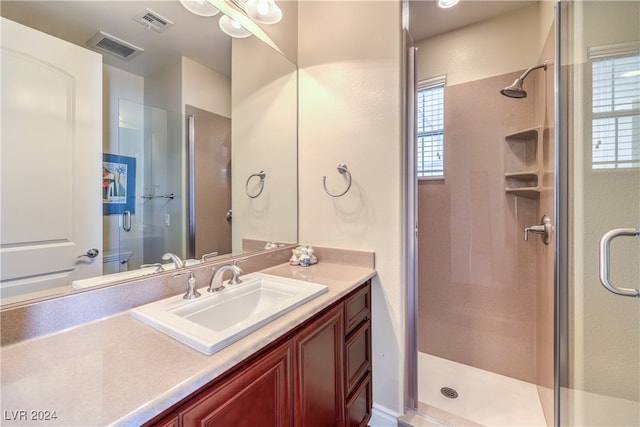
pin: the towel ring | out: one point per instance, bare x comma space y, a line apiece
261, 175
342, 168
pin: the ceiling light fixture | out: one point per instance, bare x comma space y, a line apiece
232, 28
445, 4
200, 7
264, 11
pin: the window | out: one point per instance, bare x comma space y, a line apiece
615, 108
430, 128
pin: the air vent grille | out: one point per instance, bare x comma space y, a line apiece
114, 46
153, 21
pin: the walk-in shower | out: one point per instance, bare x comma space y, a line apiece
497, 317
515, 90
485, 306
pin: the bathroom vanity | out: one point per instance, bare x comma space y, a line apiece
310, 366
319, 374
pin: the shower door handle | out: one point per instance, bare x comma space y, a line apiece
126, 220
605, 264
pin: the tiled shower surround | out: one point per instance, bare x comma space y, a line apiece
486, 295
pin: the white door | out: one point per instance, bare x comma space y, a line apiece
50, 161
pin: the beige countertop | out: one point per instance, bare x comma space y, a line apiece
118, 371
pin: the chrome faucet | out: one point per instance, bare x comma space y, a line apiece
175, 258
216, 280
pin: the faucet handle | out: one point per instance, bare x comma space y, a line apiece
157, 265
239, 260
192, 293
209, 255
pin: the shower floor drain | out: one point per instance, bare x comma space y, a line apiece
449, 392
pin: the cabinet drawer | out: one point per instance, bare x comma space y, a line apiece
358, 407
357, 356
357, 308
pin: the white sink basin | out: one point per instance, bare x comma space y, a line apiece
217, 319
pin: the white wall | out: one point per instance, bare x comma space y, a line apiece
480, 51
264, 136
205, 89
349, 106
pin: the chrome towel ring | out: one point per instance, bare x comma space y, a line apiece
261, 175
342, 168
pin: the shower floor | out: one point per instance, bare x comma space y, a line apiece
484, 397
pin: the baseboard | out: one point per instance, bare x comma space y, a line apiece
383, 417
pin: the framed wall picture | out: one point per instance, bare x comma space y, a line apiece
118, 184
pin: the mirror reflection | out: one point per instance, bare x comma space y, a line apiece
160, 153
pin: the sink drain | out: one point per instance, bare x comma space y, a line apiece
449, 392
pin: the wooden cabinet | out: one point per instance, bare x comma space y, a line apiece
358, 406
317, 375
258, 396
170, 421
357, 356
319, 394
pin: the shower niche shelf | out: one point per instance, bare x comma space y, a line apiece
523, 163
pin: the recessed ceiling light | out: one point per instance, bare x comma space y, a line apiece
445, 4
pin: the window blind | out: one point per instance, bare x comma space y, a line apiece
615, 112
430, 128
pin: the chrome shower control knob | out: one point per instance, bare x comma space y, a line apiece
544, 230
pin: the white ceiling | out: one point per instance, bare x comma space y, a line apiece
196, 37
193, 36
426, 19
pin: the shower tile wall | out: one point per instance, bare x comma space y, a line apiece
477, 275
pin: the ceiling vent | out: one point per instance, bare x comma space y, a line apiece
114, 46
153, 21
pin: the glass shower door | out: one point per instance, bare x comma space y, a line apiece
599, 264
151, 141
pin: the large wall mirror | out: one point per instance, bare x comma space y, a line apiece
184, 138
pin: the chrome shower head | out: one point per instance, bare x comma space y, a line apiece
515, 90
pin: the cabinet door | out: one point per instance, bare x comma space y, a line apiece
319, 390
257, 396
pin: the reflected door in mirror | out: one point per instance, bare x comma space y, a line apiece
51, 161
210, 182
